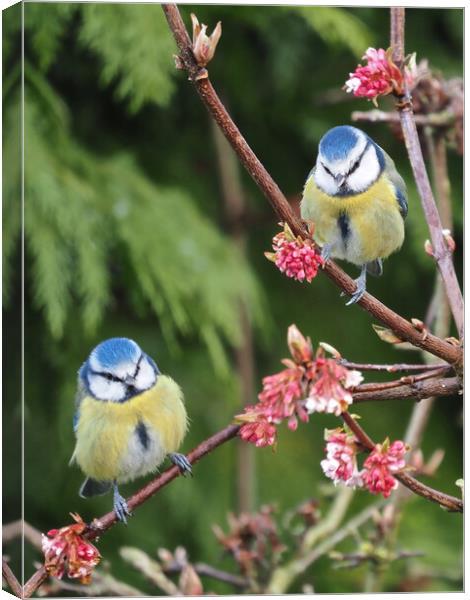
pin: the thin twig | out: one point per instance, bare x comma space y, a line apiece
11, 579
20, 528
402, 328
405, 380
442, 253
206, 570
389, 368
446, 118
150, 568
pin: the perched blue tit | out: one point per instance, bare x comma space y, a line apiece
357, 201
128, 418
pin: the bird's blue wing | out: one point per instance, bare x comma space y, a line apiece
399, 184
76, 418
81, 393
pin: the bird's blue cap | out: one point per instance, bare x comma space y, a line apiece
338, 142
115, 351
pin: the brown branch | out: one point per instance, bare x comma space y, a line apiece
99, 526
402, 328
389, 368
405, 380
418, 390
11, 579
446, 118
451, 503
442, 254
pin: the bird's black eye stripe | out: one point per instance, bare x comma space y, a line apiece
107, 376
327, 169
137, 369
354, 167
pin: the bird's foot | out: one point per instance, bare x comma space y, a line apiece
182, 462
326, 251
360, 288
120, 506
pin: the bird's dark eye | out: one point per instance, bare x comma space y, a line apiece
355, 166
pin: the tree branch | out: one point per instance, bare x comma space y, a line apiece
402, 328
389, 368
418, 390
446, 118
405, 380
11, 579
442, 254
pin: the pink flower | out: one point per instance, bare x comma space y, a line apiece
259, 432
280, 392
65, 550
379, 77
329, 390
384, 460
294, 256
340, 463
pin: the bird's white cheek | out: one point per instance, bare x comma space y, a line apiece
107, 390
324, 181
367, 172
146, 376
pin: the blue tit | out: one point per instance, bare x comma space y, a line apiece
357, 201
128, 418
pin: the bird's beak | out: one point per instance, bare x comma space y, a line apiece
129, 380
340, 180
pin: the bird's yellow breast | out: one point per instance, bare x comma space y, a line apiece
375, 224
109, 445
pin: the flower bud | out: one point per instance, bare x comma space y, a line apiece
203, 45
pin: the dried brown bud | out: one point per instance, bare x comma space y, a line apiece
203, 45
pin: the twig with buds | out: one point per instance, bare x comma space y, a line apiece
441, 252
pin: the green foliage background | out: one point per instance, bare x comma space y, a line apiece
125, 234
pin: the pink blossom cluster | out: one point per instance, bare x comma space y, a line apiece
294, 256
329, 390
259, 432
380, 76
309, 383
379, 466
66, 551
340, 463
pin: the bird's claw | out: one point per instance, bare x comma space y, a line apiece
182, 463
326, 251
360, 291
120, 507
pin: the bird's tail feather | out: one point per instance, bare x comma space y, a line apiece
375, 267
92, 487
